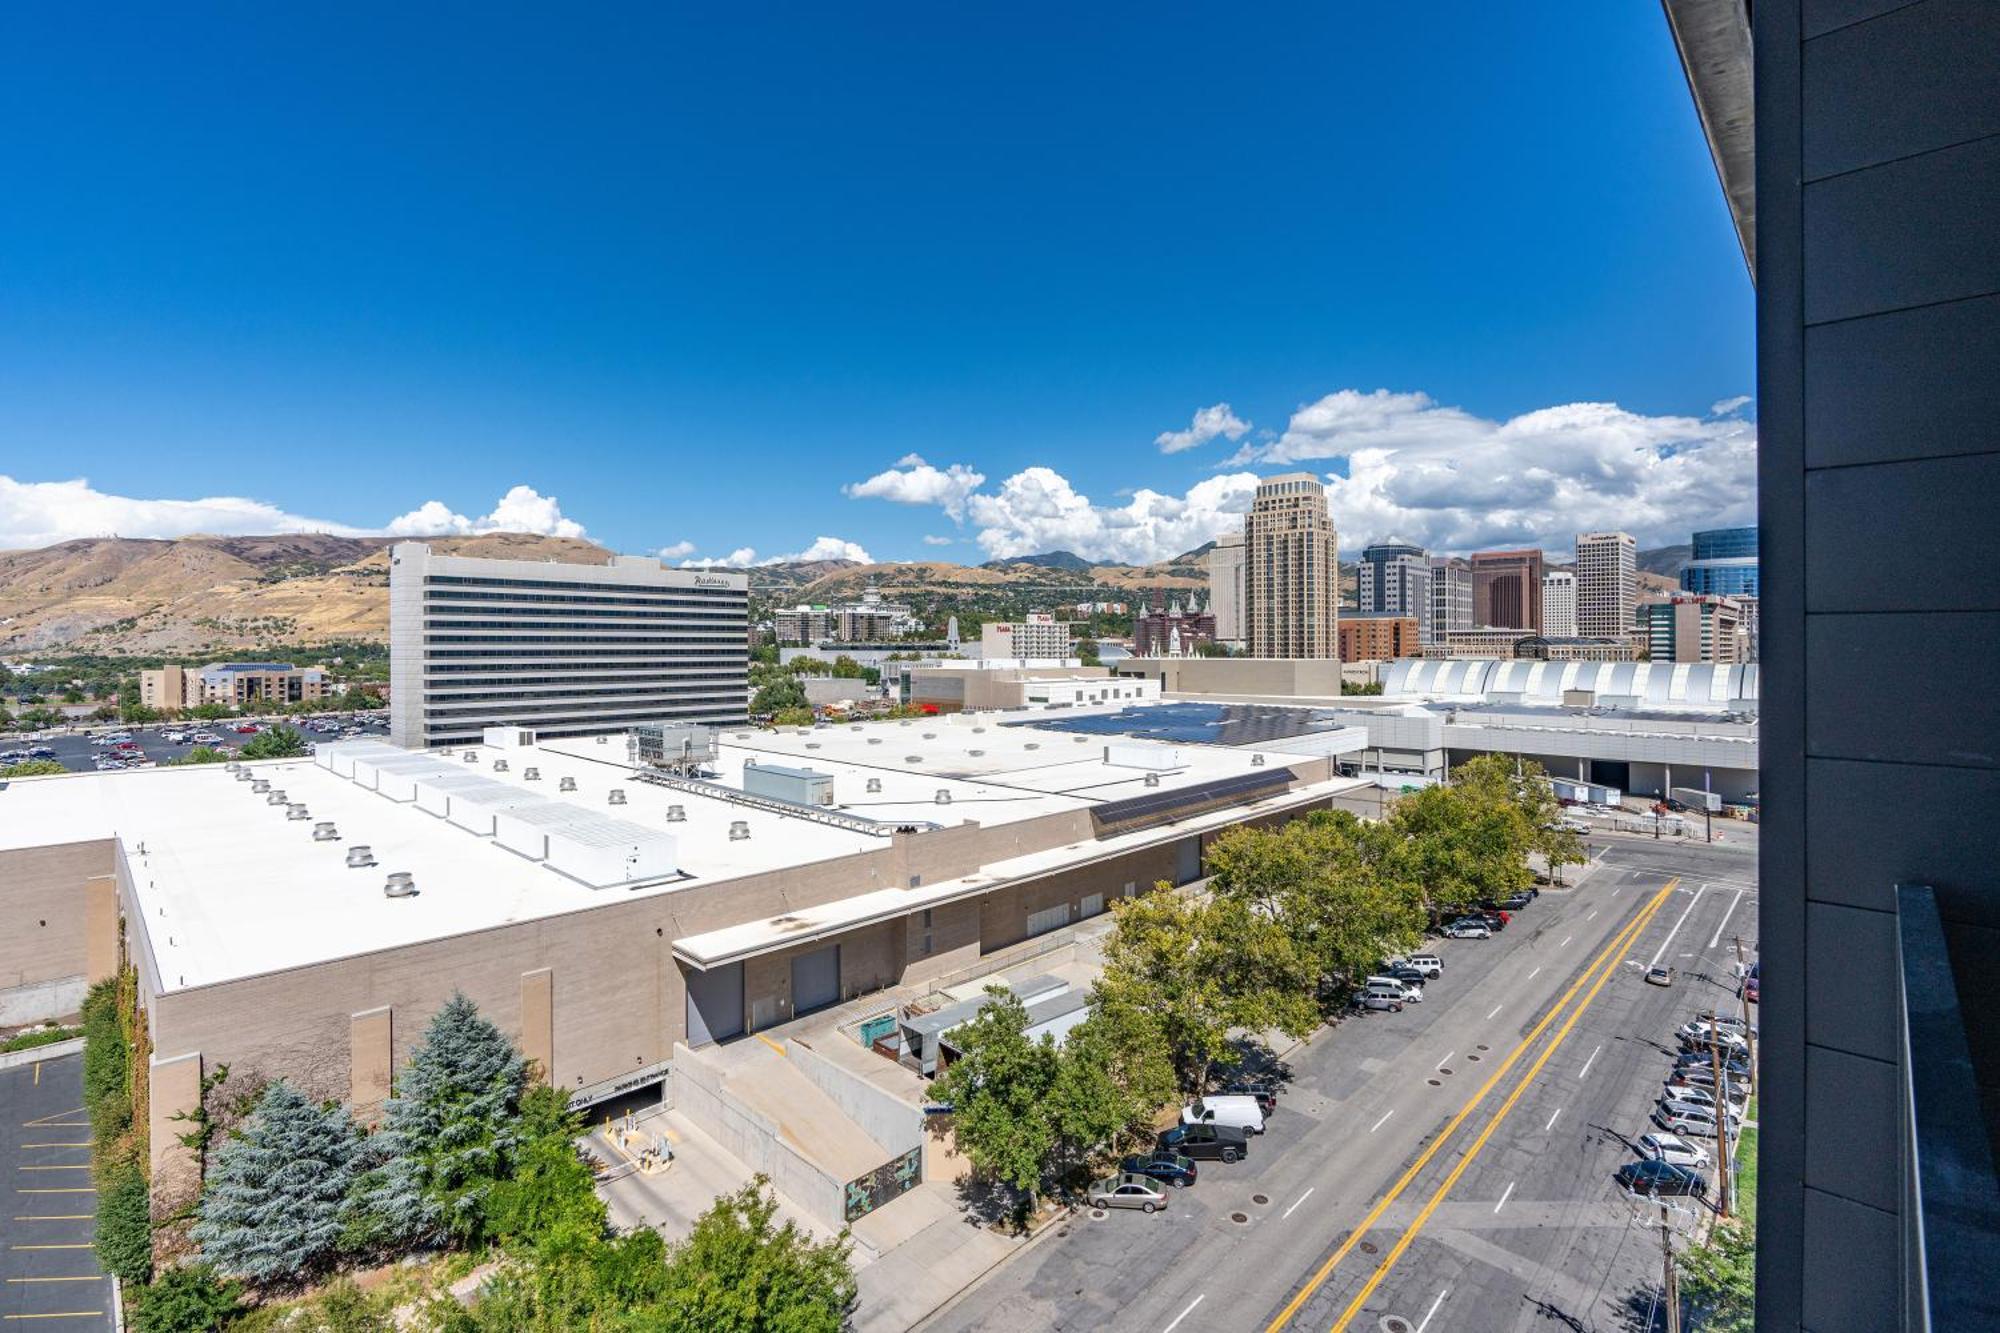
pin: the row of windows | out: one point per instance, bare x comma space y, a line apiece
540, 615
455, 580
703, 685
438, 660
737, 630
620, 641
642, 676
637, 708
666, 598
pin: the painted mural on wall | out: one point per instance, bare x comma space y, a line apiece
893, 1178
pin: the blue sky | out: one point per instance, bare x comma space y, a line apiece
689, 273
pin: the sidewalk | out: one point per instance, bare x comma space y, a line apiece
926, 1250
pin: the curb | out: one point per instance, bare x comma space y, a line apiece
1048, 1228
36, 1054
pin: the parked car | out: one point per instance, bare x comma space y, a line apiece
1166, 1167
1736, 1066
1238, 1112
1671, 1105
1655, 1177
1367, 999
1427, 963
246, 728
1702, 1075
1129, 1190
1495, 920
1264, 1090
1690, 1123
1749, 988
1704, 1095
1391, 988
1409, 976
1468, 928
41, 752
1731, 1045
1515, 903
1720, 1023
1674, 1149
1208, 1143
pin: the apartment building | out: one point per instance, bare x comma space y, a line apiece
566, 649
1607, 583
1559, 603
1372, 638
804, 624
1507, 589
1692, 627
1394, 579
1450, 597
231, 684
1041, 637
1292, 578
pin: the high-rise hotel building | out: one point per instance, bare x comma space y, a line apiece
1607, 584
564, 649
1291, 581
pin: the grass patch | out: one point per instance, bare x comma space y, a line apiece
1746, 1168
28, 1041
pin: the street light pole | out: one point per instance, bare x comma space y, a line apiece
1721, 1115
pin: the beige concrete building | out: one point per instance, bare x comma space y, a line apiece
1696, 627
1291, 583
1039, 638
972, 686
232, 684
1225, 587
1607, 583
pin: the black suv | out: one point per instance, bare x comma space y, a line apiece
1223, 1143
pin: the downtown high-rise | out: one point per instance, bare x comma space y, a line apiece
1291, 581
1607, 584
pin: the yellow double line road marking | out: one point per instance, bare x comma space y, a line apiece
1607, 956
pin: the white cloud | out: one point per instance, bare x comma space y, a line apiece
521, 509
930, 540
1038, 510
1209, 423
41, 513
676, 551
1454, 481
914, 482
1730, 406
825, 548
740, 558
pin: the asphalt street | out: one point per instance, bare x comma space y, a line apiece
1448, 1167
49, 1276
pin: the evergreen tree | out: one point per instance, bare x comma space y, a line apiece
272, 1208
448, 1134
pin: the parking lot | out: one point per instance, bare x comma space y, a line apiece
49, 1276
78, 751
1449, 1166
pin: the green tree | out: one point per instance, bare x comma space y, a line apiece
124, 1228
188, 1299
272, 1209
737, 1272
792, 717
1467, 842
1112, 1071
1086, 652
1718, 1280
33, 768
552, 1186
137, 712
998, 1090
846, 668
202, 754
211, 712
279, 742
1360, 687
780, 695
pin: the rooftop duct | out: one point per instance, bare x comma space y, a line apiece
325, 832
617, 796
400, 884
739, 830
360, 855
677, 814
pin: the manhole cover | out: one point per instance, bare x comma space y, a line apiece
1394, 1323
1368, 1247
1239, 1217
1444, 1071
1260, 1198
1472, 1057
1484, 1047
1435, 1082
1098, 1213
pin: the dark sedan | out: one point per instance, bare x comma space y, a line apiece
1220, 1143
1656, 1177
1168, 1168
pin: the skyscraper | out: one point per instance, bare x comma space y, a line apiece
1395, 580
1507, 589
1607, 583
1225, 586
1559, 604
1451, 598
1724, 563
1292, 570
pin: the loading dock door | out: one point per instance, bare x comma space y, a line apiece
1187, 857
715, 1004
816, 979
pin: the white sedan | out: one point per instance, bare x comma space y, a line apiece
1468, 930
1674, 1149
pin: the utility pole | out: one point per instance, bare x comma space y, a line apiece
1721, 1116
1669, 1280
1743, 1007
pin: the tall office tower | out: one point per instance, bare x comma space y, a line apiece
1607, 584
1724, 563
1395, 580
1507, 589
1451, 598
1292, 580
563, 649
1559, 604
1225, 586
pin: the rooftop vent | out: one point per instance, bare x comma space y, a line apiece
1256, 761
471, 758
977, 730
855, 727
617, 796
400, 884
812, 745
360, 855
1032, 745
531, 775
325, 832
874, 740
739, 830
261, 785
903, 724
943, 796
1081, 740
930, 735
242, 773
566, 784
677, 814
276, 798
297, 812
913, 759
603, 740
874, 784
975, 753
232, 767
1152, 779
499, 765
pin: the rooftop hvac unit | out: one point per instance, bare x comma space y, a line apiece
603, 739
800, 786
739, 830
601, 852
509, 738
473, 803
677, 814
400, 884
566, 784
874, 785
944, 796
325, 832
260, 786
617, 796
297, 812
531, 774
360, 855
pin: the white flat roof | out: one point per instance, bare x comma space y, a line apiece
231, 888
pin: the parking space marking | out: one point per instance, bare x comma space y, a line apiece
79, 1166
1585, 1071
1552, 1120
1494, 1010
1447, 1060
59, 1314
1432, 1311
1565, 943
1532, 975
87, 1277
1303, 1197
1716, 938
1185, 1313
1592, 916
49, 1121
1383, 1121
54, 1217
73, 1189
1505, 1195
78, 1143
80, 1245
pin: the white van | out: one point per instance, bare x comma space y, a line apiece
1391, 989
1237, 1112
1429, 964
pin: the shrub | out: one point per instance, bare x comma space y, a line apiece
26, 1041
125, 1224
185, 1300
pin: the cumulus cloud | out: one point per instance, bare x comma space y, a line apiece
676, 551
521, 509
741, 558
1730, 406
930, 540
1454, 480
1038, 510
914, 482
41, 513
1209, 423
825, 548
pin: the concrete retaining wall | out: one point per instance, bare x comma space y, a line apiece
39, 1001
887, 1118
55, 1050
695, 1087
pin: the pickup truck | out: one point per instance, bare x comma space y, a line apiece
1223, 1143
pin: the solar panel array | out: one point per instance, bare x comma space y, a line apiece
1167, 805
